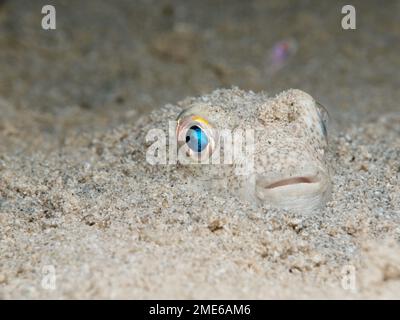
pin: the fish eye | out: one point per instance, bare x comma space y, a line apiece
323, 117
196, 135
196, 138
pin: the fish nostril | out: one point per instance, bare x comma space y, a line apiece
290, 181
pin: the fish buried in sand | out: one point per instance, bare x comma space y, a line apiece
289, 146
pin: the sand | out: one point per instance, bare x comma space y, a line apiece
83, 215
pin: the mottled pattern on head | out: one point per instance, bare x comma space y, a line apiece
290, 170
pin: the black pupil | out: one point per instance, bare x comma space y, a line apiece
196, 139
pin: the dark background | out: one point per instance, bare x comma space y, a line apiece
109, 61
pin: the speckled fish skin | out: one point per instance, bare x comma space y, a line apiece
290, 167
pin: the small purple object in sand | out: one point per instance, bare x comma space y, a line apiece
280, 53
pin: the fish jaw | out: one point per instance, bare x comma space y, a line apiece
305, 193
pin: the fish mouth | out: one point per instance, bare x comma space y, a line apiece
290, 181
302, 192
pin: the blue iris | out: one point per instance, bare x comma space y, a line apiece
196, 139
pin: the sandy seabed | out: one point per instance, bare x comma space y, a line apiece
79, 201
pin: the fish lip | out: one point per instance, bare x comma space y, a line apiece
285, 182
301, 192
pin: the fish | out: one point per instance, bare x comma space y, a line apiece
288, 164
